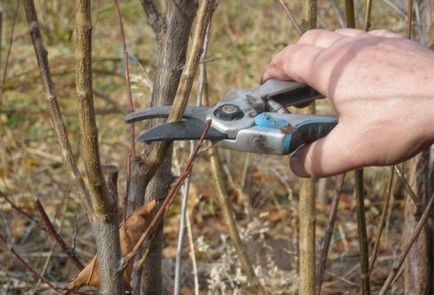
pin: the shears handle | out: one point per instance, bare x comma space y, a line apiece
287, 93
296, 130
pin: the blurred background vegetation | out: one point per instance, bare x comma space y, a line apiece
244, 36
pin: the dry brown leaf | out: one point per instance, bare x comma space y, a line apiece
130, 233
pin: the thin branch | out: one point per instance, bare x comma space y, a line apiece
291, 17
130, 102
361, 227
22, 212
397, 265
329, 233
53, 106
52, 231
29, 267
168, 200
192, 255
306, 206
350, 19
382, 220
410, 18
407, 186
8, 54
368, 9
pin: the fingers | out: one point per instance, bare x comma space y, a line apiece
385, 33
350, 32
294, 62
331, 155
319, 38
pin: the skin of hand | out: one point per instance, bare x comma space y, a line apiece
382, 86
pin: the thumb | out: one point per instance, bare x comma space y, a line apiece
328, 156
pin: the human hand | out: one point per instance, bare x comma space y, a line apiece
382, 86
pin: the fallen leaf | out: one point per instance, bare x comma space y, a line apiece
129, 234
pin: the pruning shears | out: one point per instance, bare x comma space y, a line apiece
250, 120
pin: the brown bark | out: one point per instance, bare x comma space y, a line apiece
307, 191
417, 269
105, 220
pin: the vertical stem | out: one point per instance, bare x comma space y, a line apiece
350, 20
105, 223
382, 220
307, 191
225, 205
410, 18
363, 238
368, 10
329, 233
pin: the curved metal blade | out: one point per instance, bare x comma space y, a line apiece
182, 130
164, 111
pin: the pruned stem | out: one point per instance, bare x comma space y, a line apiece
105, 221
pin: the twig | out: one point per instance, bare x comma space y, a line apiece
29, 268
53, 244
368, 10
329, 233
350, 20
8, 54
410, 18
53, 233
407, 186
169, 198
192, 255
291, 17
306, 206
130, 102
397, 265
22, 212
182, 221
382, 220
53, 106
361, 227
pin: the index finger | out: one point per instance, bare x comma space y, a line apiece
294, 62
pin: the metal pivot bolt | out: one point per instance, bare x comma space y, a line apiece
229, 112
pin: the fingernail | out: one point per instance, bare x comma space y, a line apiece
296, 163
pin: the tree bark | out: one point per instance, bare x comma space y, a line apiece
417, 269
172, 34
419, 266
105, 219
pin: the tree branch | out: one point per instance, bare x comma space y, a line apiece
53, 106
104, 203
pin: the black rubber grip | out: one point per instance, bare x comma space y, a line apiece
310, 132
